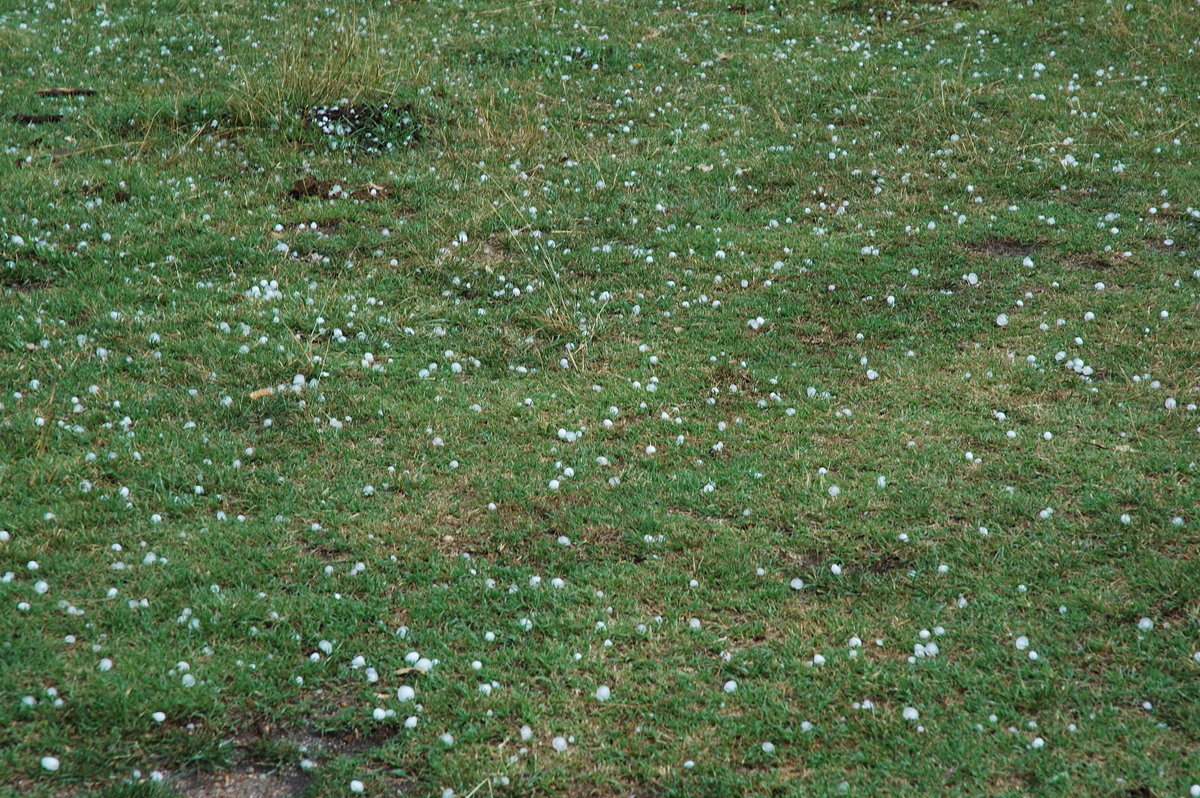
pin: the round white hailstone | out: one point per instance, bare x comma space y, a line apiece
881, 481
731, 686
650, 450
379, 713
797, 584
307, 764
911, 713
689, 764
603, 693
476, 665
485, 688
1002, 320
410, 722
1100, 286
405, 693
423, 665
106, 664
1195, 791
159, 717
872, 374
526, 733
1021, 643
559, 744
188, 680
557, 583
1046, 436
768, 748
835, 569
357, 786
834, 490
818, 659
1038, 742
553, 484
447, 739
50, 763
1145, 624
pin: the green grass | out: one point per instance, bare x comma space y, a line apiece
580, 213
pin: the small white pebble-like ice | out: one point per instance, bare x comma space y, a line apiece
50, 763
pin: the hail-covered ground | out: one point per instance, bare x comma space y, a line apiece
599, 398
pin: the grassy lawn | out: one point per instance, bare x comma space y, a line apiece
599, 398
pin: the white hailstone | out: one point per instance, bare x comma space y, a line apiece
818, 659
768, 748
553, 485
307, 764
357, 786
1145, 624
405, 693
650, 449
694, 623
106, 664
379, 713
559, 744
368, 490
50, 763
834, 490
603, 693
835, 569
1195, 791
358, 662
872, 374
730, 686
410, 722
797, 584
326, 647
1038, 742
881, 481
557, 583
188, 680
447, 739
1021, 643
910, 713
159, 717
563, 540
476, 665
1002, 320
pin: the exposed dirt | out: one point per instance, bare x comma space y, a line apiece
309, 186
245, 781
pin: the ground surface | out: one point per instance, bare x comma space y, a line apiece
818, 380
